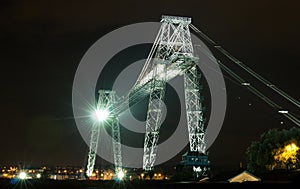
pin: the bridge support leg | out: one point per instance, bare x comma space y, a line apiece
194, 112
116, 141
105, 102
154, 114
93, 149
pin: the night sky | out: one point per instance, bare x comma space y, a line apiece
42, 43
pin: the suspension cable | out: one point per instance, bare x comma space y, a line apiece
247, 69
251, 88
149, 59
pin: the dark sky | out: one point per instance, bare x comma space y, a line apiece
42, 43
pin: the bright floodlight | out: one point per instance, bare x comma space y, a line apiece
120, 175
38, 175
22, 175
100, 115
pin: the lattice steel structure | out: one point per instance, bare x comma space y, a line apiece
171, 55
95, 132
174, 47
105, 103
194, 110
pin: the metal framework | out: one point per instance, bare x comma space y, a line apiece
95, 132
106, 100
171, 55
174, 47
194, 110
154, 115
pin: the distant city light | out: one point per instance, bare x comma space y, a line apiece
22, 175
38, 175
100, 115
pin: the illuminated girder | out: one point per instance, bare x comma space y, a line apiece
106, 100
116, 142
195, 118
154, 114
93, 148
194, 110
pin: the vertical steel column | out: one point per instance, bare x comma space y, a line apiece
194, 110
154, 115
93, 148
106, 100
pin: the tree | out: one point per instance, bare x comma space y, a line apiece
270, 151
287, 156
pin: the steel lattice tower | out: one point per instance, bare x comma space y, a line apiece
174, 46
106, 100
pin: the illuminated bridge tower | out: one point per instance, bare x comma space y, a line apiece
174, 55
104, 115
